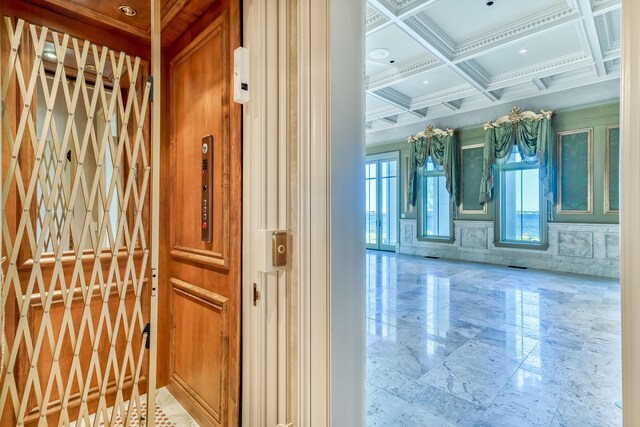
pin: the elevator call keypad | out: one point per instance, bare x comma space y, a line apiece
207, 185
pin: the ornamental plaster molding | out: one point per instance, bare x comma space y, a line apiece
516, 115
430, 132
517, 29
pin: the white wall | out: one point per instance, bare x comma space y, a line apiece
347, 204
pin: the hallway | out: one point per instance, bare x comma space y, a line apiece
457, 343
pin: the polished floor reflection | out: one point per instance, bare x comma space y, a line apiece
456, 343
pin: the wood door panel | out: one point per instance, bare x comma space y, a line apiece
65, 360
203, 284
200, 322
202, 103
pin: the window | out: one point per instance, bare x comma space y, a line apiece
435, 202
521, 214
381, 175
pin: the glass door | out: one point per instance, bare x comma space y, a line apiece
381, 177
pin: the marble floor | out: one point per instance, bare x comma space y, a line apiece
456, 343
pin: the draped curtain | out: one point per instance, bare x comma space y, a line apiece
442, 147
532, 134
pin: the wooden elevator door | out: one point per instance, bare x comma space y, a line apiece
204, 276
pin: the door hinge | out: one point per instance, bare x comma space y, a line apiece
256, 294
150, 81
146, 332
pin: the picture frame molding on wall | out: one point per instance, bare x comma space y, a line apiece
462, 210
559, 206
406, 206
607, 153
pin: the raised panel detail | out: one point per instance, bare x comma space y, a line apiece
470, 183
575, 244
199, 324
198, 112
473, 237
612, 246
574, 171
85, 324
612, 170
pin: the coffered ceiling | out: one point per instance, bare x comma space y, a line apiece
449, 57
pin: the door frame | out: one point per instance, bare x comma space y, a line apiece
318, 387
379, 158
266, 372
630, 211
303, 151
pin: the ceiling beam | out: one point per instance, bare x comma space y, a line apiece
479, 103
393, 97
402, 15
537, 81
453, 105
391, 119
436, 51
591, 34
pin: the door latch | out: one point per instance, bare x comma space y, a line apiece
256, 295
279, 248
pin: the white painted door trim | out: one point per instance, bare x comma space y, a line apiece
303, 168
630, 212
265, 207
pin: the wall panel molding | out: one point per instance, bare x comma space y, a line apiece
573, 248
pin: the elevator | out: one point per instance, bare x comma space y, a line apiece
111, 286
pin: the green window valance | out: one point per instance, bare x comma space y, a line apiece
442, 147
532, 134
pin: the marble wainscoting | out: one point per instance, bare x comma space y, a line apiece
591, 249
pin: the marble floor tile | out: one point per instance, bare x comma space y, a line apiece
383, 408
395, 383
475, 385
453, 409
455, 343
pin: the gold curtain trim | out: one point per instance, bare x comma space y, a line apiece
517, 115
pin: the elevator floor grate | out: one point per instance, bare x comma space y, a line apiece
169, 413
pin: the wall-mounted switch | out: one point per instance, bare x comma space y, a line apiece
279, 252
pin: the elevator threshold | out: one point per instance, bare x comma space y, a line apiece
169, 413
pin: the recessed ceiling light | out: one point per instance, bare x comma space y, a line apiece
49, 56
425, 81
90, 67
379, 53
490, 3
523, 51
127, 10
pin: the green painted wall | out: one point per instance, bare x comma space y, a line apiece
598, 118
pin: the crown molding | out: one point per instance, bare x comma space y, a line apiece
541, 69
547, 20
373, 19
403, 72
430, 32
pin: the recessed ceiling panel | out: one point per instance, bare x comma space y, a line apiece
374, 103
436, 80
547, 46
401, 47
609, 26
462, 20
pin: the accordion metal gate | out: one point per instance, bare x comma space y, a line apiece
78, 292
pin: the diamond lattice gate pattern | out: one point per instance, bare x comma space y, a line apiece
75, 212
